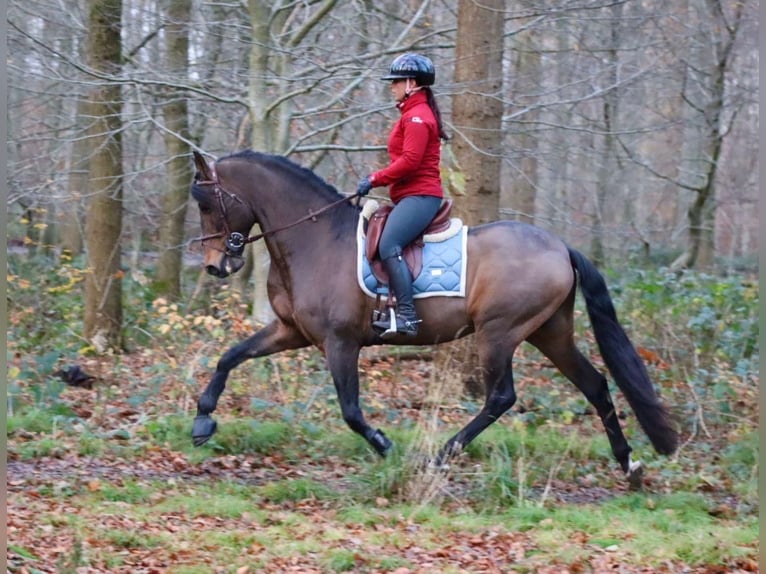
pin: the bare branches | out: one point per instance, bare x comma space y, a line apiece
313, 90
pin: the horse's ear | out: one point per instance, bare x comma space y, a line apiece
202, 167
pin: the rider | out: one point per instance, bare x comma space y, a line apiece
413, 178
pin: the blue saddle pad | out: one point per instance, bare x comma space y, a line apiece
443, 273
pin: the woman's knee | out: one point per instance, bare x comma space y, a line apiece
388, 249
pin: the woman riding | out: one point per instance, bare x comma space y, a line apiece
413, 177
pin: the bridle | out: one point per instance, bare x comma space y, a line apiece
235, 241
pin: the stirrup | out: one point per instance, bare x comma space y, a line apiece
394, 328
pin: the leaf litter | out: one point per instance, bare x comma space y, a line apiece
51, 528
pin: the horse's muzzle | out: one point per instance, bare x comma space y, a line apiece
226, 267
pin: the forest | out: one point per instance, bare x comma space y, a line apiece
629, 128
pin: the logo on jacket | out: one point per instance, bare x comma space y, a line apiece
416, 120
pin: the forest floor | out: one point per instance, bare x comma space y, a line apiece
104, 479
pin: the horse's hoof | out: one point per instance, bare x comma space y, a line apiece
380, 443
203, 428
635, 475
437, 465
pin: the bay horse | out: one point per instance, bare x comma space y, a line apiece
521, 285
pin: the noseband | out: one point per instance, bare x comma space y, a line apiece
235, 241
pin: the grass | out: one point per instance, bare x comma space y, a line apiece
284, 483
645, 529
212, 504
130, 492
295, 490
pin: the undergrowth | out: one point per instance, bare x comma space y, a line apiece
697, 333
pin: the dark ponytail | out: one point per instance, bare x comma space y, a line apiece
437, 114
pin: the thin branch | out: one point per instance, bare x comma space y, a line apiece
127, 80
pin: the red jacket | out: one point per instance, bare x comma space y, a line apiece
414, 148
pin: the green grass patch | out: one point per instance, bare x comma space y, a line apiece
130, 491
390, 563
41, 419
233, 436
46, 446
213, 504
21, 551
263, 437
128, 539
295, 490
650, 529
340, 560
341, 442
172, 431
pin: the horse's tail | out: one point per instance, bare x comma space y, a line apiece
621, 357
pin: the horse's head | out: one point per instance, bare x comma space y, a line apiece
225, 221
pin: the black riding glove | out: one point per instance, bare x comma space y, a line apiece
364, 187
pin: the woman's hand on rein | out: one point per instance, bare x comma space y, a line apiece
364, 186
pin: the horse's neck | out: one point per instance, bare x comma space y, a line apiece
283, 218
296, 221
277, 200
310, 251
283, 204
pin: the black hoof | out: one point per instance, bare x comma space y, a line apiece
445, 456
635, 477
203, 428
380, 443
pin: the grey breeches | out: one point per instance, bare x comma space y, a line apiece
408, 219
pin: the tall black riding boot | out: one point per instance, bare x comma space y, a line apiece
405, 320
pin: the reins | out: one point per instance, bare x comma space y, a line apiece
236, 241
311, 216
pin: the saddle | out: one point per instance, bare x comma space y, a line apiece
413, 253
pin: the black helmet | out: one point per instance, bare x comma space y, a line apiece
414, 66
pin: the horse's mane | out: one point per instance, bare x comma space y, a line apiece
308, 180
307, 176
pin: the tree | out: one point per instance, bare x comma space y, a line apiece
477, 109
275, 38
608, 164
321, 106
525, 82
179, 173
77, 181
704, 92
103, 283
477, 106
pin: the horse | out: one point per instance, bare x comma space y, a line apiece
521, 285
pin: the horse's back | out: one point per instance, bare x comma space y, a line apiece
518, 237
514, 265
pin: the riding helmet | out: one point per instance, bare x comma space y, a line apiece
414, 66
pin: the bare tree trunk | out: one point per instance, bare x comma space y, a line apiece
477, 113
175, 199
608, 163
704, 94
103, 284
261, 138
526, 78
270, 125
477, 107
71, 219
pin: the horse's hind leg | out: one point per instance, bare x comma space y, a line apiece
495, 360
274, 337
555, 340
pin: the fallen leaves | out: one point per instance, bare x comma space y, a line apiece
49, 517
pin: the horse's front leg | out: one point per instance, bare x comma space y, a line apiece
343, 362
274, 337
